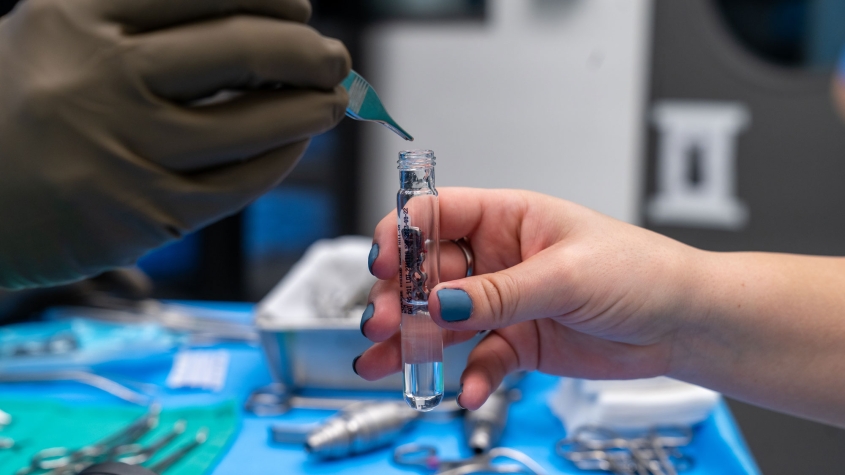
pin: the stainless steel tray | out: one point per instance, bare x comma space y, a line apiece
322, 358
310, 344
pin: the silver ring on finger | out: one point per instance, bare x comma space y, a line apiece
463, 244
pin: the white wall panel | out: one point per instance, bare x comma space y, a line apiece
546, 95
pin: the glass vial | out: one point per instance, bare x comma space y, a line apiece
418, 219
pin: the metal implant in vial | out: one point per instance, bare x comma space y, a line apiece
418, 230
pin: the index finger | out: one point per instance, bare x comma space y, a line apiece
144, 15
195, 61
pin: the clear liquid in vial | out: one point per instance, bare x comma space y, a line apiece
422, 357
423, 385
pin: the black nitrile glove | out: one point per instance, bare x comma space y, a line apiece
102, 158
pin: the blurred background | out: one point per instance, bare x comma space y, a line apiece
710, 121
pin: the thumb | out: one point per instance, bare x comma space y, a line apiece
530, 290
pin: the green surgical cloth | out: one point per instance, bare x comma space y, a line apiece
42, 424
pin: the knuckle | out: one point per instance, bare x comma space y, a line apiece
336, 62
43, 97
242, 35
500, 296
327, 59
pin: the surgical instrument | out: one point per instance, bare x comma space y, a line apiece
180, 453
59, 344
654, 453
203, 325
275, 399
364, 104
483, 428
497, 460
84, 377
60, 458
135, 454
115, 468
7, 443
359, 428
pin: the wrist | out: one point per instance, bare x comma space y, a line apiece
694, 312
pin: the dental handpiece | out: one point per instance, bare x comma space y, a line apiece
360, 428
483, 428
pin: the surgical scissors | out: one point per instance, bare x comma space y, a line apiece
655, 453
425, 458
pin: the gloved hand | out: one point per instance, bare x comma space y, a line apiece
101, 156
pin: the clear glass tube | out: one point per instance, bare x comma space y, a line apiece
418, 219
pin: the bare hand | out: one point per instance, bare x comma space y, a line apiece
566, 291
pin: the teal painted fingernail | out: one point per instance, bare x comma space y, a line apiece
373, 255
455, 305
353, 364
368, 314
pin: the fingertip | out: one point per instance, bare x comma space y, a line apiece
475, 391
387, 263
341, 61
362, 369
303, 11
366, 316
334, 63
371, 259
355, 363
381, 319
382, 264
380, 360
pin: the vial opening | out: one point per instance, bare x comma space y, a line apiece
409, 159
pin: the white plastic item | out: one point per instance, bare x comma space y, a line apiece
633, 405
318, 290
199, 369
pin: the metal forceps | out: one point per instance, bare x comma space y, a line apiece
136, 454
61, 460
425, 458
655, 453
181, 452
